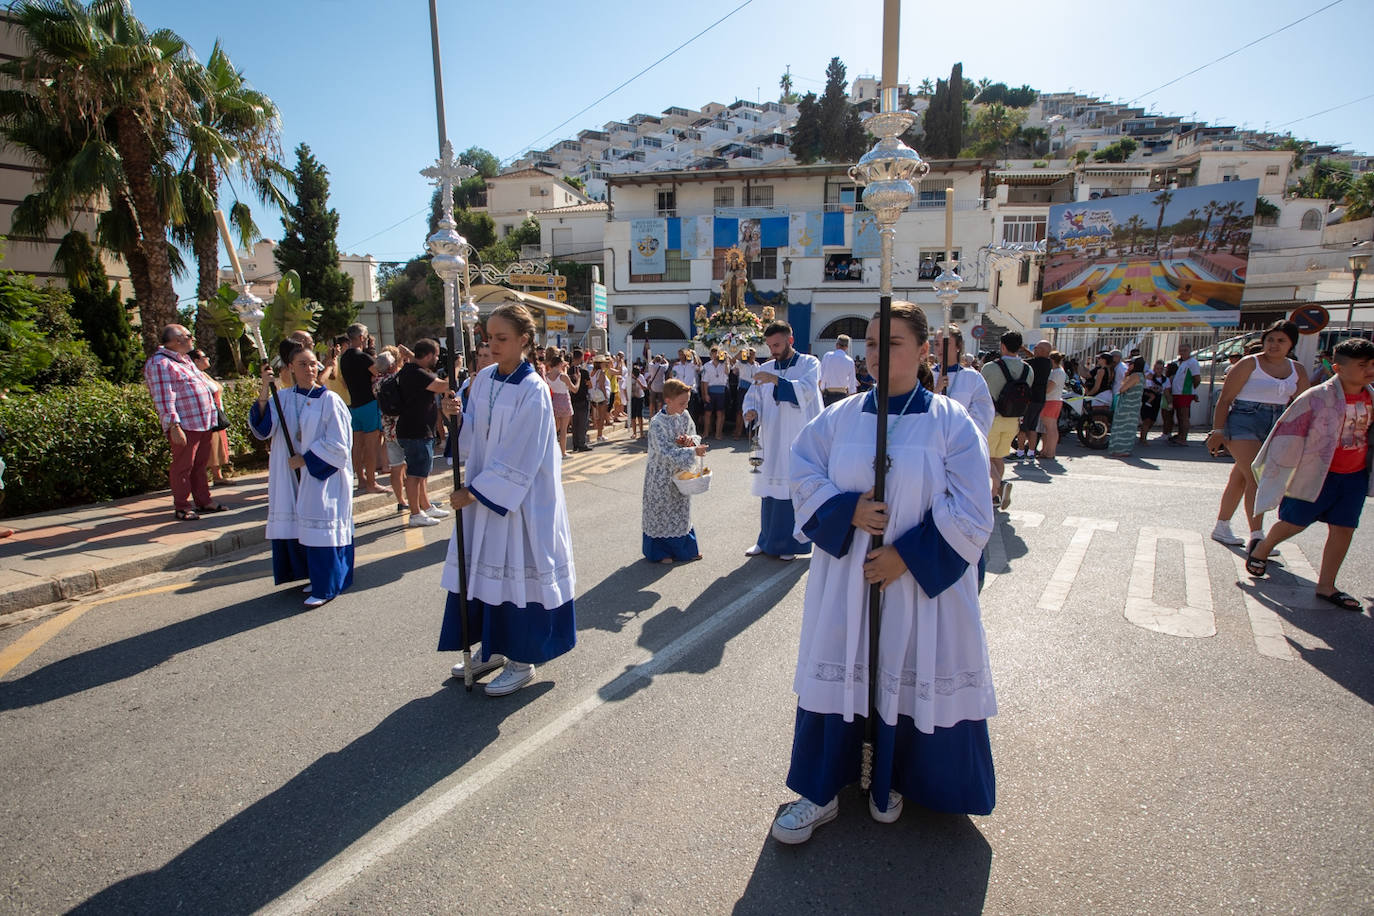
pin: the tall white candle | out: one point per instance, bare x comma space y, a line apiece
949, 225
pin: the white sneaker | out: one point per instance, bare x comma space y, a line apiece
894, 808
437, 512
1020, 453
480, 668
787, 557
515, 676
753, 551
799, 819
1223, 534
307, 589
420, 520
313, 602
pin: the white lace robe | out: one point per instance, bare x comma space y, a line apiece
933, 657
512, 458
781, 421
317, 513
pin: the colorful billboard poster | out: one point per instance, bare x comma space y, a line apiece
1175, 257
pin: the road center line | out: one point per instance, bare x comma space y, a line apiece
380, 842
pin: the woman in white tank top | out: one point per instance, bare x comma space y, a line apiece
1256, 392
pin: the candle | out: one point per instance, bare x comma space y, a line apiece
891, 14
949, 225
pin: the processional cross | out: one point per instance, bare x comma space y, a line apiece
446, 173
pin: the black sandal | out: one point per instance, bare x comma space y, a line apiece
215, 507
1256, 566
1341, 600
187, 515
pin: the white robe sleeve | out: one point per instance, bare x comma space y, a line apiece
807, 385
333, 442
810, 468
980, 406
513, 463
963, 513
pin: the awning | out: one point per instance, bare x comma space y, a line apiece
488, 297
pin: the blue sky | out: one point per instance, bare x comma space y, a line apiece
353, 78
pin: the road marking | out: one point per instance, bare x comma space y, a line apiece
1195, 619
372, 848
1265, 626
1057, 589
16, 652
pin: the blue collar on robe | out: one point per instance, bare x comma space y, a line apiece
316, 392
781, 366
516, 376
920, 401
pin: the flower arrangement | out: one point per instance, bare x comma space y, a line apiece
733, 329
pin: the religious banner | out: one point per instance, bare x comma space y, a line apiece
804, 234
750, 239
687, 238
867, 241
648, 246
704, 238
1175, 257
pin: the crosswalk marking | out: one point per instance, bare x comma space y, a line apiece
1057, 590
1193, 620
1265, 625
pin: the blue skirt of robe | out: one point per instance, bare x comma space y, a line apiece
776, 522
530, 634
329, 569
682, 547
949, 770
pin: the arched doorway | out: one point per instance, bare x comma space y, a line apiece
665, 337
853, 325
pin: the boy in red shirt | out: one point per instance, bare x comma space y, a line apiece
1318, 458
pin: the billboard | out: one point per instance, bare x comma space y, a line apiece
1175, 257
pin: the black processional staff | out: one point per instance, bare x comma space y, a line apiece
249, 309
888, 171
449, 251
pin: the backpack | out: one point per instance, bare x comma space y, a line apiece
1015, 396
389, 399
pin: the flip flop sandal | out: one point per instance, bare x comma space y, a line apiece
1342, 600
1256, 566
187, 515
217, 507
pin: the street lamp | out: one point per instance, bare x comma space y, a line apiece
786, 276
1357, 263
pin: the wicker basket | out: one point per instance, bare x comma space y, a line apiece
693, 485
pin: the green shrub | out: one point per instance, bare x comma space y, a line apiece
95, 442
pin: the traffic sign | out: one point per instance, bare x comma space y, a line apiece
549, 280
599, 299
555, 324
1310, 319
556, 280
978, 331
559, 295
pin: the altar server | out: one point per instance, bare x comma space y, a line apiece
935, 688
673, 448
310, 493
515, 522
961, 383
785, 396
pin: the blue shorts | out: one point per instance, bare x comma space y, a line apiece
716, 398
419, 456
1252, 420
366, 419
1339, 503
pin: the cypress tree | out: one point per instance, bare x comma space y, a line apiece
806, 134
311, 249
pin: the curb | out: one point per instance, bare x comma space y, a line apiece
81, 582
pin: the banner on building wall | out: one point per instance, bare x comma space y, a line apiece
867, 241
1175, 257
750, 239
687, 237
648, 245
703, 235
804, 234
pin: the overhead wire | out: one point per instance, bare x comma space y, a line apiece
1249, 44
627, 82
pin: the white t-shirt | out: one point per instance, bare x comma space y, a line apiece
685, 373
1054, 391
1186, 367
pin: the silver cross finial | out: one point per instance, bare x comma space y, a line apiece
446, 174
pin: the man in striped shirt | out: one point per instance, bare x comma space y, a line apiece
185, 404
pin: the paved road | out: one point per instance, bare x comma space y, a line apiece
1169, 740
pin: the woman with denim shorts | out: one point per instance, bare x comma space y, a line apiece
1257, 390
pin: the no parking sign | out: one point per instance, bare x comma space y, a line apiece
978, 331
1310, 319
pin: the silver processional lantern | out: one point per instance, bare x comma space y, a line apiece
249, 308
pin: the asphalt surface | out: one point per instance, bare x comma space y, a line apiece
195, 742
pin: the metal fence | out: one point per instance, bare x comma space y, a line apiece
1083, 344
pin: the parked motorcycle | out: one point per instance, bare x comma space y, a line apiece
1090, 422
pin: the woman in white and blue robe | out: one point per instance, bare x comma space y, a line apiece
935, 686
517, 538
310, 519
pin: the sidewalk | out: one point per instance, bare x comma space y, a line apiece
60, 555
67, 553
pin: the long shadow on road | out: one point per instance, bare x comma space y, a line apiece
133, 655
264, 851
924, 863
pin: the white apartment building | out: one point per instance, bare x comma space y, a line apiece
514, 196
260, 270
831, 282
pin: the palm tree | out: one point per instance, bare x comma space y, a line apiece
1134, 226
926, 88
1162, 199
93, 102
234, 130
1192, 223
1211, 210
983, 84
